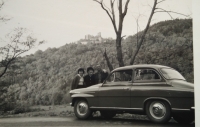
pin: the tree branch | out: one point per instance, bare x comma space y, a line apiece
144, 33
107, 8
113, 21
6, 67
166, 12
123, 36
160, 1
163, 10
1, 5
107, 60
3, 18
113, 14
15, 48
125, 8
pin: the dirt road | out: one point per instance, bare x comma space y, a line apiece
73, 121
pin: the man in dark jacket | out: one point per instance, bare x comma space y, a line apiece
100, 75
89, 79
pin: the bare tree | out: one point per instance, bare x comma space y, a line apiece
19, 43
118, 31
144, 33
2, 18
111, 13
154, 10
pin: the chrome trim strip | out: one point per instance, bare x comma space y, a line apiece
74, 92
142, 82
177, 109
89, 92
116, 108
193, 108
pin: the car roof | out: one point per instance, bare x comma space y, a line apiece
155, 66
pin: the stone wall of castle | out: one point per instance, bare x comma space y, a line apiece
95, 39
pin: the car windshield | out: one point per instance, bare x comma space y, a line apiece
171, 74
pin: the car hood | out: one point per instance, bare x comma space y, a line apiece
97, 85
182, 84
88, 89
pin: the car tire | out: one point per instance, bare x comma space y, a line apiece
107, 114
82, 110
184, 118
158, 111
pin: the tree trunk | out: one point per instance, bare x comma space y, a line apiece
119, 51
119, 38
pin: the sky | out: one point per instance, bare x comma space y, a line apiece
63, 21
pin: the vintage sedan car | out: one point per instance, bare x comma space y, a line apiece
158, 91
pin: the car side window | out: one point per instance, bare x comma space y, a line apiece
146, 74
120, 76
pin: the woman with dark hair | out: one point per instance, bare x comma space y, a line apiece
78, 81
89, 79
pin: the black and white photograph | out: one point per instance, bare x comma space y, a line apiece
99, 63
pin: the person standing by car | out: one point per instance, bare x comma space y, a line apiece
89, 79
100, 75
78, 81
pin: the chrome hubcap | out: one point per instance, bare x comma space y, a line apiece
82, 108
157, 110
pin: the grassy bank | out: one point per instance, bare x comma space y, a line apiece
62, 111
57, 110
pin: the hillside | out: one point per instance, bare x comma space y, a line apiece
44, 78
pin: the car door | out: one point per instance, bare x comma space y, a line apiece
147, 83
115, 92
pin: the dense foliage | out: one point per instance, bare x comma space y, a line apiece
44, 78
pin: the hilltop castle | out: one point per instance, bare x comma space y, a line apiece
94, 39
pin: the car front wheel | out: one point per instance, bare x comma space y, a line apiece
81, 109
158, 111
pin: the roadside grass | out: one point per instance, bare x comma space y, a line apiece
65, 111
38, 111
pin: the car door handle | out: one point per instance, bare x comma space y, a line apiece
126, 88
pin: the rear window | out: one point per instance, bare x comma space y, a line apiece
171, 74
146, 74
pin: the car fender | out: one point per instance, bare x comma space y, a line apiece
155, 98
80, 96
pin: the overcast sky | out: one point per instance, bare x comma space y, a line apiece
64, 21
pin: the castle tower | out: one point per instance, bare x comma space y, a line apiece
99, 34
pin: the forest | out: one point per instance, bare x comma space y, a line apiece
44, 78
